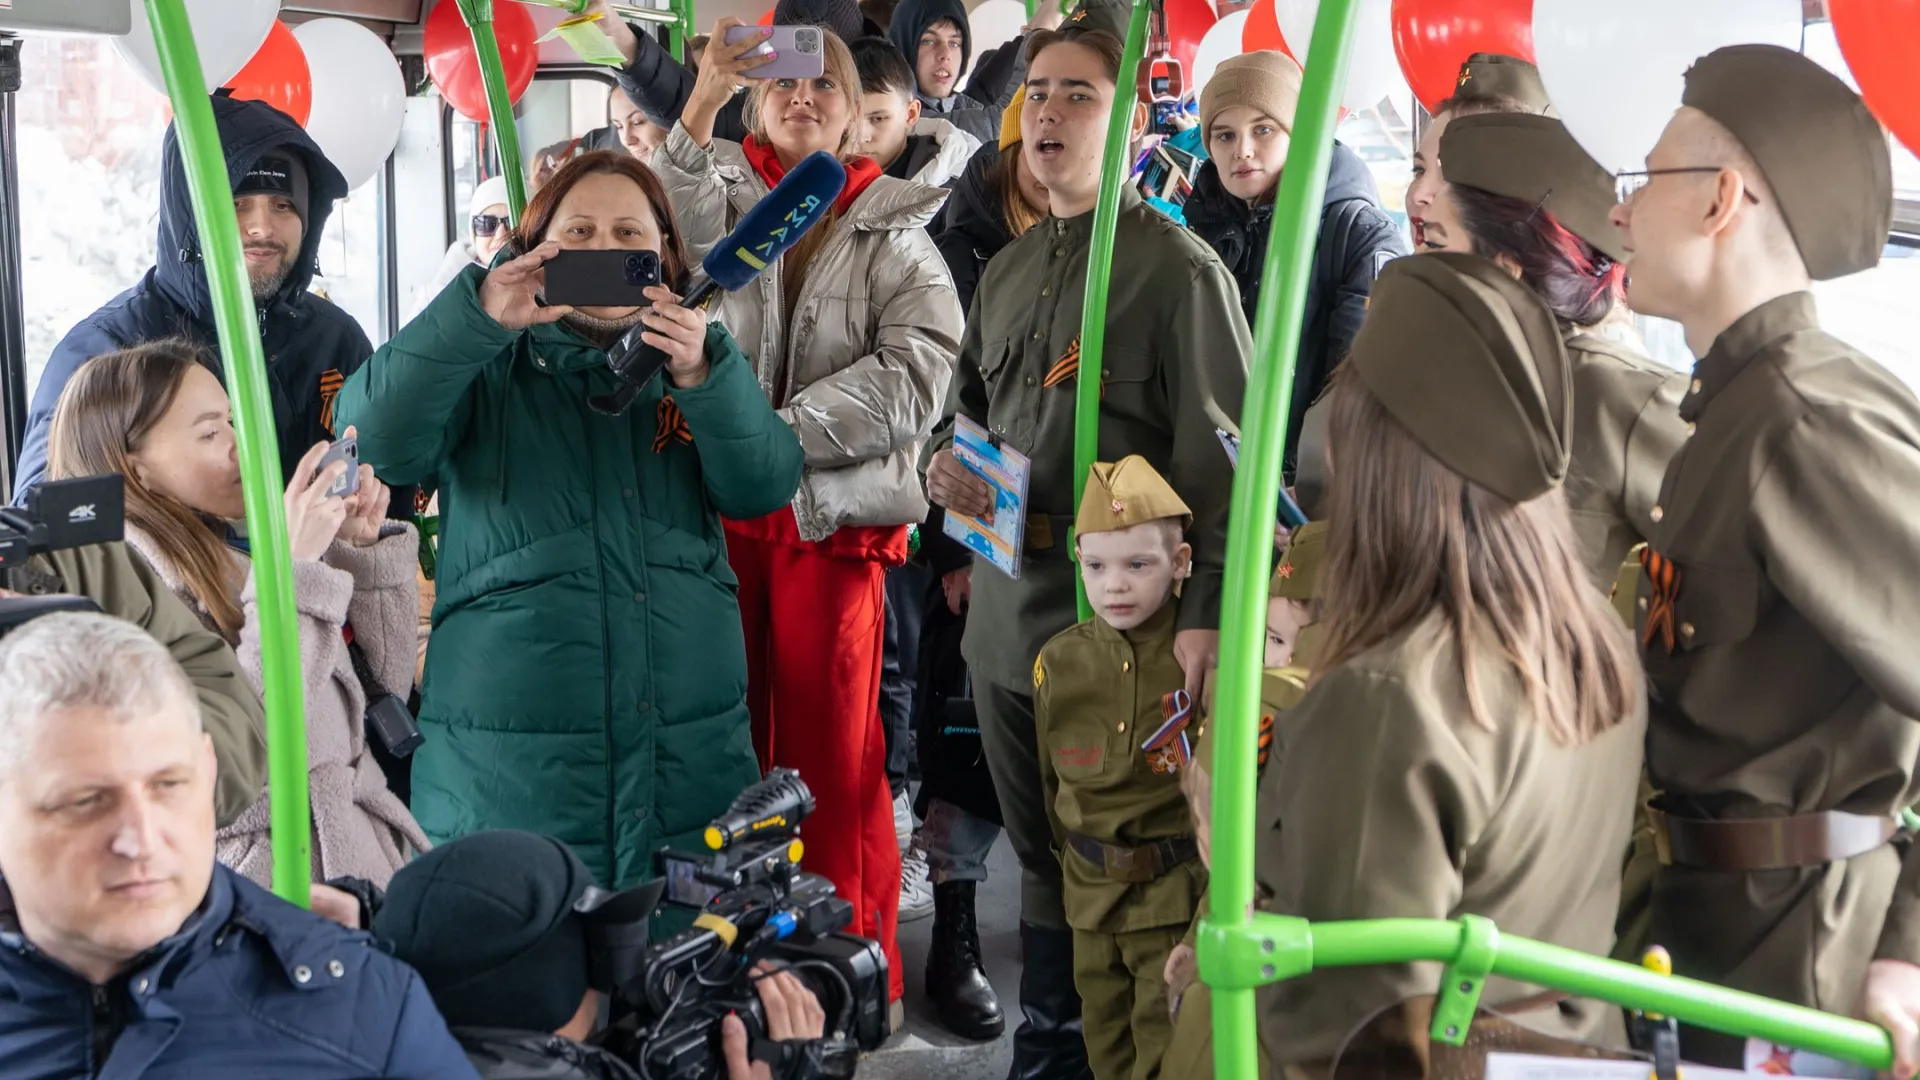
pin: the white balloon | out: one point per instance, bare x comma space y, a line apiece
227, 33
1221, 42
994, 23
1374, 70
359, 98
1615, 70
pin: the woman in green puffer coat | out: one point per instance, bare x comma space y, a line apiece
588, 675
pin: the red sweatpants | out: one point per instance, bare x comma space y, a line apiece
814, 626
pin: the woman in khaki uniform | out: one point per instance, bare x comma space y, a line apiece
1473, 732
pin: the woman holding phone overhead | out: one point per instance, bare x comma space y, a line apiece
853, 335
587, 679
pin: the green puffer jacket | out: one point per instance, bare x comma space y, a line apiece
587, 678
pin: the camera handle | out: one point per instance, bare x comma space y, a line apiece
636, 362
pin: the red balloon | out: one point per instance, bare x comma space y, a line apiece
1262, 30
456, 70
1881, 41
278, 75
1187, 22
1434, 37
767, 19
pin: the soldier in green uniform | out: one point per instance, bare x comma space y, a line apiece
1111, 713
1172, 377
1777, 643
1474, 729
1520, 191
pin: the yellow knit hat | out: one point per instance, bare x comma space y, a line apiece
1010, 123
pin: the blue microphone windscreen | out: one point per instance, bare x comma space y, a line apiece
776, 223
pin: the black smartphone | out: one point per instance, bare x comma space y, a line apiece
601, 278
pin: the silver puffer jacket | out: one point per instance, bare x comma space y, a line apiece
876, 333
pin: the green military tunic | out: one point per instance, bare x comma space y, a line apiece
1097, 697
1175, 372
1626, 427
1386, 799
1780, 655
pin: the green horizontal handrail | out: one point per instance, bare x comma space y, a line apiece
1279, 947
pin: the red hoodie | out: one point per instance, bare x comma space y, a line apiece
881, 543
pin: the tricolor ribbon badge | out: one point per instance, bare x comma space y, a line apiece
1169, 749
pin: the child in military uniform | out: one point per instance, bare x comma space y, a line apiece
1109, 712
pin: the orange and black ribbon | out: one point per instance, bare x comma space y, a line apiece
1068, 367
1663, 577
1169, 749
670, 425
330, 383
1266, 741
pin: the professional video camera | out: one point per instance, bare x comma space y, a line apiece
59, 514
755, 904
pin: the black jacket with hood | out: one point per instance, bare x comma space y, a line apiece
311, 346
1357, 238
972, 227
978, 116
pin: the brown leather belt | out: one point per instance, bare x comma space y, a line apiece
1743, 846
1135, 865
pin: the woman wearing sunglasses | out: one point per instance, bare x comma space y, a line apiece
487, 226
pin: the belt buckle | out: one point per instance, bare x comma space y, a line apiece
1123, 863
1662, 843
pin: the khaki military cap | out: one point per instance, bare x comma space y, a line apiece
1535, 159
1470, 361
1126, 493
1494, 75
1109, 15
1823, 154
1299, 567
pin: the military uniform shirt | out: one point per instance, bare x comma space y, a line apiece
1387, 799
1096, 697
1175, 372
1780, 652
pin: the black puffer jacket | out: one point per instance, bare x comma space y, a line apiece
972, 227
499, 1054
1357, 238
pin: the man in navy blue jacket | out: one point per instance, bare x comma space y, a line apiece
124, 950
284, 189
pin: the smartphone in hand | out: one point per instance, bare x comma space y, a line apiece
344, 450
608, 278
803, 54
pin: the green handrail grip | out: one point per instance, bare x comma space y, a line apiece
1267, 948
1032, 6
1909, 820
478, 15
1464, 979
1093, 310
1733, 1012
1256, 492
259, 454
681, 30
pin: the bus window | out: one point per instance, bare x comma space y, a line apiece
350, 258
554, 112
89, 137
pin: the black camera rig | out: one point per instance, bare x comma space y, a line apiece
58, 514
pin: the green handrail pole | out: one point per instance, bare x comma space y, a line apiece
506, 137
682, 30
1093, 310
212, 191
1400, 941
1256, 488
1032, 6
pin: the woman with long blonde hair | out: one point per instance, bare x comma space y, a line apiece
1473, 733
157, 415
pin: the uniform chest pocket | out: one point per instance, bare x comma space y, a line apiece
993, 362
1684, 607
1130, 383
1094, 748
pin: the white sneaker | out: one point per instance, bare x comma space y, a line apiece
916, 885
902, 821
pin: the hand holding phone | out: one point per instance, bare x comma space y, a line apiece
346, 451
609, 278
797, 52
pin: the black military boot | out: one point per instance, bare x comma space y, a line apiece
956, 984
1048, 1044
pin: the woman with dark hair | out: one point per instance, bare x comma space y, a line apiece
157, 415
587, 679
1520, 191
1476, 702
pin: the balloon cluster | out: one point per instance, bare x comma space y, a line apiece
1614, 69
335, 77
